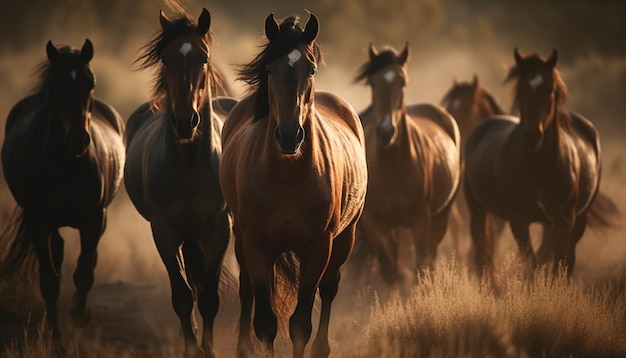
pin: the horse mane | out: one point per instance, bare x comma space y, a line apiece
385, 57
254, 73
181, 24
533, 63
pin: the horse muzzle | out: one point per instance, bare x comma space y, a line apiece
289, 140
184, 125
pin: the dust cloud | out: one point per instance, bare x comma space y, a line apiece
448, 39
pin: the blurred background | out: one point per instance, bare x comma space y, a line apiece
448, 38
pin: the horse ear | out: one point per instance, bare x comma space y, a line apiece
86, 52
311, 29
518, 57
373, 52
204, 22
404, 56
165, 22
271, 27
553, 58
52, 51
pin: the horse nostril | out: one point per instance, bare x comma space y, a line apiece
299, 135
277, 135
195, 120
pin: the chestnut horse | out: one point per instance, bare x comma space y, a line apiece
171, 174
413, 169
469, 102
541, 167
294, 175
62, 157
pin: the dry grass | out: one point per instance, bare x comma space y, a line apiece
448, 315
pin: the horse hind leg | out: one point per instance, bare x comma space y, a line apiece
565, 245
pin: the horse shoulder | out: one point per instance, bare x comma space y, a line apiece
223, 105
136, 120
439, 116
19, 109
326, 101
585, 127
109, 114
238, 114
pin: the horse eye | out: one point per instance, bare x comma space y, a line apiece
313, 71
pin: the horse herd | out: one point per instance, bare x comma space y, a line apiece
292, 172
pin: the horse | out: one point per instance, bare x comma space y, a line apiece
543, 166
469, 102
294, 175
171, 174
413, 158
62, 156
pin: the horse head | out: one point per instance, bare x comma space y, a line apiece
71, 84
536, 96
387, 76
290, 78
185, 72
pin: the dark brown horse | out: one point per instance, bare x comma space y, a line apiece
413, 169
62, 156
469, 102
543, 167
294, 175
171, 174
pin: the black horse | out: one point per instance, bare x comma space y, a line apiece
63, 159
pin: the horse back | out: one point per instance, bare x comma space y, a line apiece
342, 110
439, 116
587, 130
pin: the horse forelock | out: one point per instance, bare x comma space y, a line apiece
254, 73
181, 25
386, 57
537, 64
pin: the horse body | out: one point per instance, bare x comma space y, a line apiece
413, 172
62, 157
172, 171
548, 172
294, 175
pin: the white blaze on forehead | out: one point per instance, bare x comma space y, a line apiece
73, 74
389, 76
185, 48
294, 56
536, 81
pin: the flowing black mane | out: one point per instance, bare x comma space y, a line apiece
385, 57
180, 25
254, 73
536, 63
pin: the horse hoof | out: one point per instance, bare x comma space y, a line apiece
81, 317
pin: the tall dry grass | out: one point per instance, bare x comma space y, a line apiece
450, 315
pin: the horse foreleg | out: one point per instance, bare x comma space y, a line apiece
385, 247
342, 246
314, 262
522, 238
49, 251
214, 248
483, 243
244, 342
90, 235
168, 244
